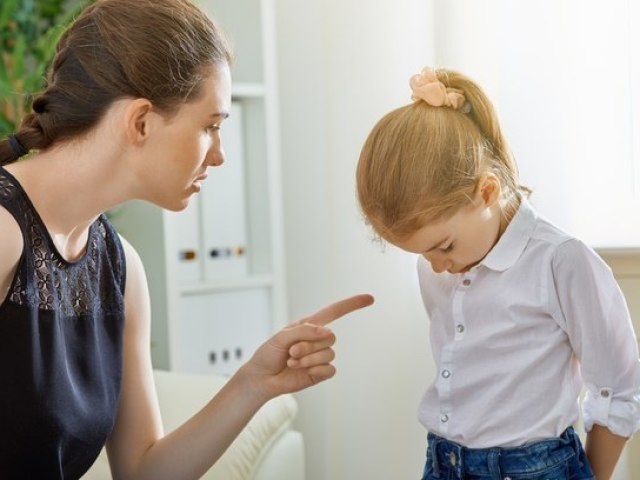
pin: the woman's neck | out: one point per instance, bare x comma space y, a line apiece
69, 187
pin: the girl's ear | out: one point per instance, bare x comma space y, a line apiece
138, 117
489, 189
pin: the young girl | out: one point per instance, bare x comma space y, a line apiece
135, 100
522, 314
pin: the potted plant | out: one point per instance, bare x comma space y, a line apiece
29, 32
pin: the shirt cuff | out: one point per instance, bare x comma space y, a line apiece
620, 416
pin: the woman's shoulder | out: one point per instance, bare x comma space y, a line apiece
134, 266
11, 241
11, 245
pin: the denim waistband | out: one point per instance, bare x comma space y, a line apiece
500, 462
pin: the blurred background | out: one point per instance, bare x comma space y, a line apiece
311, 80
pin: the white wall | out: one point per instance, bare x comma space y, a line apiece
564, 77
342, 65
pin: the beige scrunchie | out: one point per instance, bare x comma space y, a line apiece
425, 86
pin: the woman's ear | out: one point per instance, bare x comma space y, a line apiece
137, 119
489, 189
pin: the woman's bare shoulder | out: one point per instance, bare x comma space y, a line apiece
11, 244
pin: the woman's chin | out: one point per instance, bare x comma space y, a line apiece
175, 205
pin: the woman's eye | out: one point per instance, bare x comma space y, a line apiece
214, 127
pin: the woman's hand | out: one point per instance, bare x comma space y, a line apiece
300, 354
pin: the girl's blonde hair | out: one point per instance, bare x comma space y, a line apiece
421, 163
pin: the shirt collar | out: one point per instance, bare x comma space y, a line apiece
513, 241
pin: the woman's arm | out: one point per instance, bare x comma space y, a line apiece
11, 244
603, 450
138, 423
296, 357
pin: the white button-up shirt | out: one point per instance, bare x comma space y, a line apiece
516, 338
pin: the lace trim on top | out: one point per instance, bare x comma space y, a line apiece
66, 287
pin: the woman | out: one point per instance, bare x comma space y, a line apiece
135, 100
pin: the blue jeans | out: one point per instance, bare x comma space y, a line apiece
561, 458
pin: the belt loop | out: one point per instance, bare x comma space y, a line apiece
461, 466
435, 461
493, 458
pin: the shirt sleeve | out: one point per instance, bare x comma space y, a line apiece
589, 305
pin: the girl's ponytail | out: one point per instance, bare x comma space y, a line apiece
484, 116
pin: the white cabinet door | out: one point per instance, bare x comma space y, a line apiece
182, 231
208, 240
223, 207
218, 332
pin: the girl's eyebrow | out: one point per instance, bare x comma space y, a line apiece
438, 244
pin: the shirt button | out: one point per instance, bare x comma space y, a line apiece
446, 374
460, 328
466, 282
604, 393
444, 418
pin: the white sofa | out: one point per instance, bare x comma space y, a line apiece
267, 449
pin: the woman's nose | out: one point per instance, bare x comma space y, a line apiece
215, 155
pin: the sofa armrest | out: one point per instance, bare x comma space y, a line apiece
263, 449
284, 459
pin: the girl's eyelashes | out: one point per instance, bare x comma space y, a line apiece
448, 248
214, 127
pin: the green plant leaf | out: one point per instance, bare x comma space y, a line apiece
6, 10
29, 33
19, 56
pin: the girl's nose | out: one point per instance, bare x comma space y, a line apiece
438, 265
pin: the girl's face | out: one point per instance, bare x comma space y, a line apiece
460, 242
184, 145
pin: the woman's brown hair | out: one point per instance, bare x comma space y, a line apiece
154, 49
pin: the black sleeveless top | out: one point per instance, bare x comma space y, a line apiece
60, 348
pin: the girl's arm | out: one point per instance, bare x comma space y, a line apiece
592, 309
603, 450
137, 447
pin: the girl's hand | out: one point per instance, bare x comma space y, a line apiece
300, 354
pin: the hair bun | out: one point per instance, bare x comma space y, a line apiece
40, 104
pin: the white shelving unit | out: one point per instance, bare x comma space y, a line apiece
216, 270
